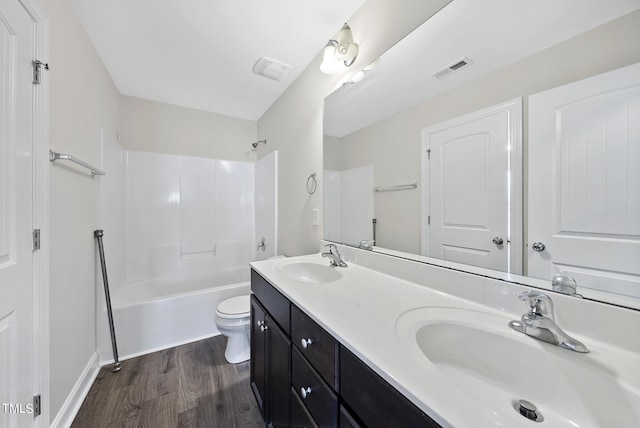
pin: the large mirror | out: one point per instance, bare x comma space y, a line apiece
503, 138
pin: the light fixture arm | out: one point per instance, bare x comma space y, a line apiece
342, 51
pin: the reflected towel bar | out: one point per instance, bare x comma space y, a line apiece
398, 187
53, 156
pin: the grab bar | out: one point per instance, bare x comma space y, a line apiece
398, 187
54, 156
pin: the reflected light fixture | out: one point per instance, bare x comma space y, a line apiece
339, 53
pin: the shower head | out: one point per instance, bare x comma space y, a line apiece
255, 145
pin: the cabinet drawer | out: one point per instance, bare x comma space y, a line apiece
274, 302
347, 420
300, 417
376, 403
316, 395
319, 347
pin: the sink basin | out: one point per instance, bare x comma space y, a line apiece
482, 357
310, 272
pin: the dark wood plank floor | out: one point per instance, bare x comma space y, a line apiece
188, 386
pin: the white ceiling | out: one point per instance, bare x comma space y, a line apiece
492, 33
200, 53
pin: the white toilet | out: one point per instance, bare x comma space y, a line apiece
233, 319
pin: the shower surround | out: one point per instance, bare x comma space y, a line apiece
179, 233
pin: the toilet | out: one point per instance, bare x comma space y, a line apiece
233, 319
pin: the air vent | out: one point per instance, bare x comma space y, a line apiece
271, 68
461, 63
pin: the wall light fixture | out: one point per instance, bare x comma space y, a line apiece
339, 53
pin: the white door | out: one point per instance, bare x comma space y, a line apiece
16, 192
469, 188
584, 181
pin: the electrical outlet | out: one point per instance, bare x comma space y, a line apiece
315, 218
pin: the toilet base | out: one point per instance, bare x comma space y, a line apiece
238, 348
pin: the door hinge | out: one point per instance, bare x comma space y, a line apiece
37, 68
36, 405
36, 239
428, 153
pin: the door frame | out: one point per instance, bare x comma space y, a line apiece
515, 166
40, 159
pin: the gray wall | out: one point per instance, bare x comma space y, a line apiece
150, 126
293, 124
83, 101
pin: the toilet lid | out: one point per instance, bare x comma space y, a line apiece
235, 306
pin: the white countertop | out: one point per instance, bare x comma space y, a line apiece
361, 310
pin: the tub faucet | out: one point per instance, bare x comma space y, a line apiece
540, 322
334, 256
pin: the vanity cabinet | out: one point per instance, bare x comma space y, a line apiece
376, 403
317, 346
302, 377
270, 364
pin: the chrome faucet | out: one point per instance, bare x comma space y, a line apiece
334, 256
367, 244
540, 322
565, 284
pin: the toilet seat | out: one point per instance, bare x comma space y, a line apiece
235, 307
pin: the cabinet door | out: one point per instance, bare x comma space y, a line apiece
258, 354
373, 400
347, 420
278, 375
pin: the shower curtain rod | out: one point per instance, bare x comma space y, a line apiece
54, 156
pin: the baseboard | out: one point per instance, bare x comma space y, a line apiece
74, 400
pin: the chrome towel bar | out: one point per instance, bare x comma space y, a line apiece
398, 187
54, 156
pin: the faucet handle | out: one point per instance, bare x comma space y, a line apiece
367, 244
564, 283
540, 303
331, 247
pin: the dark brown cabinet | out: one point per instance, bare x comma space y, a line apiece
258, 366
316, 382
270, 356
376, 403
318, 398
317, 346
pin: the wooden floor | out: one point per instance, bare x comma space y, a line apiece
187, 386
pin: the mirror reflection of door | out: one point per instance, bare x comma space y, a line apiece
467, 188
584, 182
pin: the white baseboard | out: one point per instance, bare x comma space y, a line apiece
74, 400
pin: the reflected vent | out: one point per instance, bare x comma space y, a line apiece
461, 63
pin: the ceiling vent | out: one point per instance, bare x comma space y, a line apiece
271, 68
461, 63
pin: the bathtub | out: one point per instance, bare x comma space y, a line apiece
162, 313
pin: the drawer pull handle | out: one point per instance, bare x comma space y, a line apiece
305, 391
263, 328
306, 343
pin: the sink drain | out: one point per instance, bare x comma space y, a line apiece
528, 410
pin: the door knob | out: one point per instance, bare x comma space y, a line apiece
538, 246
498, 240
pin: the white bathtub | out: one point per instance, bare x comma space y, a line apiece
159, 314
